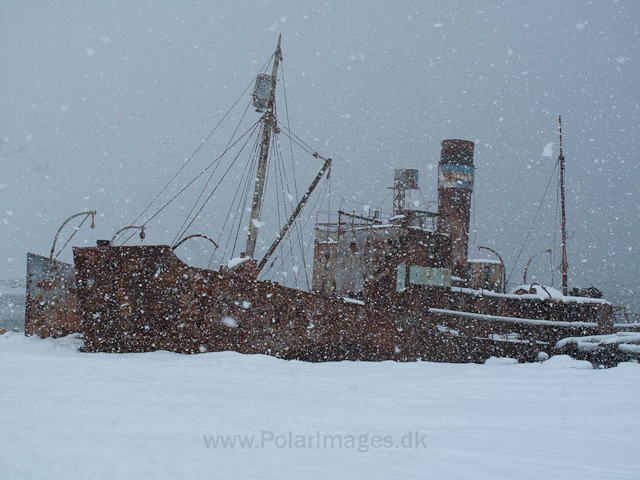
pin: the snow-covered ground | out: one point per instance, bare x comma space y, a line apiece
66, 414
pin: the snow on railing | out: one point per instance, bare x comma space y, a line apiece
498, 318
625, 341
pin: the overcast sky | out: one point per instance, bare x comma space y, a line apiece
101, 101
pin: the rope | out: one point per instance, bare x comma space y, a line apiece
250, 132
277, 165
323, 194
233, 202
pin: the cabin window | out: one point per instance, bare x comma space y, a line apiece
437, 277
400, 281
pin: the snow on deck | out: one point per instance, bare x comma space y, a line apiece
485, 260
71, 415
234, 262
541, 295
352, 300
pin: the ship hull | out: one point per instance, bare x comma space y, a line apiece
137, 299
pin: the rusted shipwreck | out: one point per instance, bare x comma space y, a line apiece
395, 288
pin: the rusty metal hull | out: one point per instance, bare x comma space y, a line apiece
51, 309
136, 299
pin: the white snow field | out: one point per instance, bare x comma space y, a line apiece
66, 415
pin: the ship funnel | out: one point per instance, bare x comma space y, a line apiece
455, 185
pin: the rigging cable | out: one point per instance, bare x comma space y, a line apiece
327, 186
379, 207
217, 185
296, 225
533, 222
249, 131
280, 164
197, 150
300, 241
182, 232
277, 165
246, 197
286, 109
242, 181
298, 141
303, 225
193, 154
321, 196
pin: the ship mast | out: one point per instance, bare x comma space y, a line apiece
269, 125
564, 265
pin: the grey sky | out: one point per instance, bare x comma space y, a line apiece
101, 101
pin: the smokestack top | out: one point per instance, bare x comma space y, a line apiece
459, 152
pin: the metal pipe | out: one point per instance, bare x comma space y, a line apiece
93, 226
192, 236
524, 279
360, 217
141, 228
